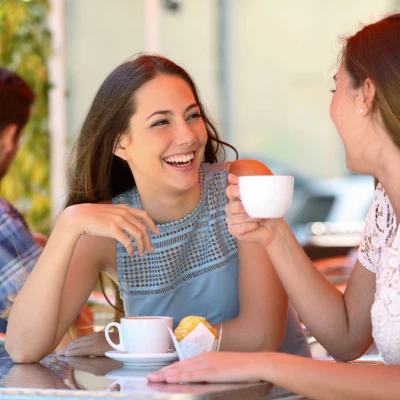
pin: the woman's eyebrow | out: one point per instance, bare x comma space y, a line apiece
162, 112
191, 106
169, 112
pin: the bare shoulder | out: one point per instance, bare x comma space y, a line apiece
249, 167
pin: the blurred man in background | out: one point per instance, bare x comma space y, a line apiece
19, 250
19, 247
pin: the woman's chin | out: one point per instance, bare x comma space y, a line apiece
349, 164
355, 166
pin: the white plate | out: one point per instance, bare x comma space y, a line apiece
140, 360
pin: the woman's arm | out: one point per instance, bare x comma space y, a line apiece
341, 323
310, 378
80, 246
53, 294
261, 322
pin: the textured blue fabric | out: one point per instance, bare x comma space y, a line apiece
18, 255
194, 269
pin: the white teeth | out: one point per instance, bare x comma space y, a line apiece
185, 158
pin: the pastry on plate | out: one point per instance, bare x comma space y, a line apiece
189, 323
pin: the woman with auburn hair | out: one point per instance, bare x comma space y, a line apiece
365, 109
146, 206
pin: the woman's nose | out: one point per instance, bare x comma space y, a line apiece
185, 135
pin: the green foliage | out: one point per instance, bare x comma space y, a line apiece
24, 48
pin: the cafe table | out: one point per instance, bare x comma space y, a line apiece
58, 377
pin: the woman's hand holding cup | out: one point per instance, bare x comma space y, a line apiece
262, 196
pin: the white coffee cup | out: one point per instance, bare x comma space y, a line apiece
142, 335
266, 196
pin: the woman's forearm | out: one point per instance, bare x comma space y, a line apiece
263, 304
319, 304
330, 380
33, 324
239, 334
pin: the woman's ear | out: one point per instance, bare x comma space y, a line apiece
368, 92
9, 138
120, 149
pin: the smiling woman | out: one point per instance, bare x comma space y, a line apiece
146, 206
164, 148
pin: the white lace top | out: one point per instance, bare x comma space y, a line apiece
380, 253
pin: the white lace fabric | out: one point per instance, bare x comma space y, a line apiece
380, 253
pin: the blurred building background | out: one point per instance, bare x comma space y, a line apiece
264, 70
275, 60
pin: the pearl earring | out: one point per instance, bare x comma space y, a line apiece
361, 110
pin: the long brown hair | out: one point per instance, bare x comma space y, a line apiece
374, 52
95, 174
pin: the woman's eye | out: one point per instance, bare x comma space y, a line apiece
333, 90
159, 123
195, 115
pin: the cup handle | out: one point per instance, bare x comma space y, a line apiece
119, 346
114, 387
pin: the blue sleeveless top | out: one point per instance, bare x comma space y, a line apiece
194, 267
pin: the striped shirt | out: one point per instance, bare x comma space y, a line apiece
18, 255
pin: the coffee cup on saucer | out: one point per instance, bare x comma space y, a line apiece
142, 335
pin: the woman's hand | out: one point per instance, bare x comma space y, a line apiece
240, 225
213, 367
114, 221
90, 345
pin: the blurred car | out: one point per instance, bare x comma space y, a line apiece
326, 212
333, 213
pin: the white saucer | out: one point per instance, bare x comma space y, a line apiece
131, 374
142, 360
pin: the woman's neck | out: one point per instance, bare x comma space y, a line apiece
169, 207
